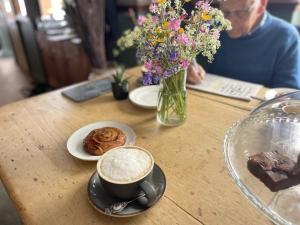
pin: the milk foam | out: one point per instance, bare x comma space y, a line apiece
125, 164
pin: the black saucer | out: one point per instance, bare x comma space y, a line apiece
100, 199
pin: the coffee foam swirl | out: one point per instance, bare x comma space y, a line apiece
125, 165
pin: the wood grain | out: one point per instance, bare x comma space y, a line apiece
48, 185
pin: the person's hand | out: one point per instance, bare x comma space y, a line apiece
195, 73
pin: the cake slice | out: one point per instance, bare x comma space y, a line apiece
276, 171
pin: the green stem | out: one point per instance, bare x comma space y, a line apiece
172, 99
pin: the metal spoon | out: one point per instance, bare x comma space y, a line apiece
120, 206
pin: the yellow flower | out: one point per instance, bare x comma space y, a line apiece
205, 16
160, 40
181, 31
154, 43
165, 25
158, 30
149, 36
160, 1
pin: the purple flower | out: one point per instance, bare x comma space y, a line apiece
147, 78
173, 55
175, 24
169, 72
157, 53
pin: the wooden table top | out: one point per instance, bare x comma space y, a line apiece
49, 186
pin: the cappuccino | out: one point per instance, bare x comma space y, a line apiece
125, 165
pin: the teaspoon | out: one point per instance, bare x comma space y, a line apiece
120, 206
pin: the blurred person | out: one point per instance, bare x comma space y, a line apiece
260, 48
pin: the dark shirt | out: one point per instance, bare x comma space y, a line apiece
270, 55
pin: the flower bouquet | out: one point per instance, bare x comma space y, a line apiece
167, 41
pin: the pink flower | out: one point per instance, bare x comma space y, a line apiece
175, 24
148, 65
203, 5
152, 7
155, 19
206, 6
199, 4
216, 34
183, 39
153, 67
184, 64
192, 43
184, 16
158, 70
141, 20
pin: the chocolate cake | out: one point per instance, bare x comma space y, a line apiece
276, 171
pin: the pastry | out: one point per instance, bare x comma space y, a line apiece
101, 140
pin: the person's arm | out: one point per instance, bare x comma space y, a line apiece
287, 69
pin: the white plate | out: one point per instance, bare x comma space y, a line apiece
272, 93
75, 141
145, 97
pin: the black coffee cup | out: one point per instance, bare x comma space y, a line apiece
130, 189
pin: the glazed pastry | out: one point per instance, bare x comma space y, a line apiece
101, 140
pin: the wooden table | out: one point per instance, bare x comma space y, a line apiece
48, 185
244, 105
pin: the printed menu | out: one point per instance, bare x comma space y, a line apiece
227, 87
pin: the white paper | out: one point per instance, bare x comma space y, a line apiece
227, 87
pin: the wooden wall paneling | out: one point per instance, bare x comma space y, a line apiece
66, 63
84, 63
71, 58
59, 62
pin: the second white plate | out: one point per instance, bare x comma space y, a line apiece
275, 92
75, 141
145, 97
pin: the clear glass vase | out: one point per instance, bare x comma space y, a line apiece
171, 109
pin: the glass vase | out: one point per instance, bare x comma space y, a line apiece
171, 108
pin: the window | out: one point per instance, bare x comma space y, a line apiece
22, 7
52, 8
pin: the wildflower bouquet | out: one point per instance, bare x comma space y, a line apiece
167, 41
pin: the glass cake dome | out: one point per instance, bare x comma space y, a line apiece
272, 126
